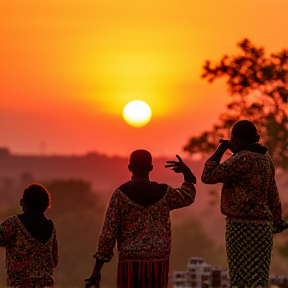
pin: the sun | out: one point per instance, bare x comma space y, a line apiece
137, 113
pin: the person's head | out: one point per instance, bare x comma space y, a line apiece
243, 133
35, 199
140, 162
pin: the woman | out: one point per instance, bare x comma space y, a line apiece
30, 241
250, 201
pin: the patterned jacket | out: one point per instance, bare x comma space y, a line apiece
141, 232
249, 190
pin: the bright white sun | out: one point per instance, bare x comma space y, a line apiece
137, 113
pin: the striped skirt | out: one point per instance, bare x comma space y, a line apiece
248, 246
143, 274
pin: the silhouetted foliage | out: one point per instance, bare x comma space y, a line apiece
190, 240
71, 195
78, 218
258, 86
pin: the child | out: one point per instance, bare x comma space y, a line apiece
30, 241
138, 218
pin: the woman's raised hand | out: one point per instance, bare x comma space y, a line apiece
181, 167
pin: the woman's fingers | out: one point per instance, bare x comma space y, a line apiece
179, 158
170, 165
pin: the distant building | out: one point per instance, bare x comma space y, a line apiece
199, 274
202, 275
280, 281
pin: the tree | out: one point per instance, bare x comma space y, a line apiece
78, 217
71, 195
189, 239
258, 86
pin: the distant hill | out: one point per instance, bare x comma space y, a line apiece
105, 173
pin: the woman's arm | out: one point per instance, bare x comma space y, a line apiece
181, 197
208, 177
220, 150
55, 251
184, 196
107, 240
110, 228
275, 206
230, 170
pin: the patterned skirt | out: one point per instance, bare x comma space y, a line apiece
143, 274
248, 246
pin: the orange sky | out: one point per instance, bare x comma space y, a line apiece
68, 68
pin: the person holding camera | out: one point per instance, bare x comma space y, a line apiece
250, 201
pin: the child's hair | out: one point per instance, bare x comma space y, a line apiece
140, 161
37, 198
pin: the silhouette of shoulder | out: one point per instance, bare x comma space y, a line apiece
39, 227
144, 193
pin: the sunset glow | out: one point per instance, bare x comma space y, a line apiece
76, 64
137, 113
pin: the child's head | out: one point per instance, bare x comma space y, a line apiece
36, 198
140, 162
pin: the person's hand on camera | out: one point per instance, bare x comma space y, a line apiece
181, 167
226, 144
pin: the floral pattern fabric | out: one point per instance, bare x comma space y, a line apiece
249, 190
29, 263
142, 233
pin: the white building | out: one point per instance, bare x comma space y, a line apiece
200, 275
280, 281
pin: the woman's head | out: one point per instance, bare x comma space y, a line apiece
243, 133
36, 198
